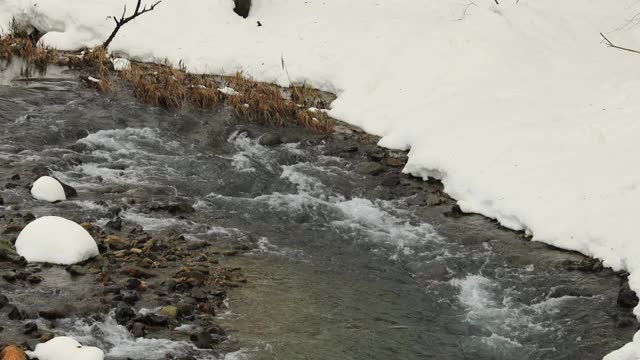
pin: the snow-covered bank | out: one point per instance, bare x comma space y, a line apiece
519, 108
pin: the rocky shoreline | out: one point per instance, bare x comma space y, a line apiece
154, 281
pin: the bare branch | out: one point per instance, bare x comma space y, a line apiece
610, 44
123, 20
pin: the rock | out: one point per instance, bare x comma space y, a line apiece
198, 294
391, 181
180, 208
203, 340
133, 284
242, 7
124, 313
76, 270
34, 279
270, 139
4, 301
394, 162
169, 311
155, 320
53, 313
434, 200
138, 330
139, 273
128, 296
455, 212
115, 224
184, 309
194, 275
15, 313
13, 353
69, 191
370, 168
627, 298
30, 328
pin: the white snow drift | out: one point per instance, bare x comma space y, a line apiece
519, 108
48, 189
65, 348
55, 240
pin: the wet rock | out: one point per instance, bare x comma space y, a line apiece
155, 320
30, 328
562, 291
13, 353
203, 340
76, 270
184, 309
14, 313
138, 329
370, 168
394, 162
115, 224
124, 313
627, 298
128, 296
242, 7
455, 212
195, 276
198, 294
53, 313
139, 273
391, 181
69, 191
34, 279
133, 284
434, 200
270, 139
4, 301
169, 311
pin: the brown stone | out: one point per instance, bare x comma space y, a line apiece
13, 353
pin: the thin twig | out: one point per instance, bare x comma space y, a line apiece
610, 44
123, 20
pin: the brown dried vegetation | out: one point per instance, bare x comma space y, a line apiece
165, 86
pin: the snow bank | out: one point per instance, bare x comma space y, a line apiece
48, 189
519, 108
55, 240
65, 348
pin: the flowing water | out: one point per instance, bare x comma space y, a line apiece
344, 267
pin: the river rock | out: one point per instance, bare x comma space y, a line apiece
203, 340
627, 298
9, 276
270, 139
76, 270
169, 311
370, 168
13, 353
3, 301
155, 320
53, 313
124, 313
30, 328
138, 329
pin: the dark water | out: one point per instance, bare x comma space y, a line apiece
345, 267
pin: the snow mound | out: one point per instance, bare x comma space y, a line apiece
55, 240
65, 348
120, 64
48, 189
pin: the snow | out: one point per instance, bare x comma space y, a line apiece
228, 91
48, 189
120, 64
65, 348
520, 108
55, 240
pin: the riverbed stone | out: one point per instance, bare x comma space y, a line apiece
370, 168
138, 329
270, 139
124, 313
627, 298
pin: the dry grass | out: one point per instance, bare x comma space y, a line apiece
164, 86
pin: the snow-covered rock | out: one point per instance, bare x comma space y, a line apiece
48, 189
120, 64
65, 348
55, 240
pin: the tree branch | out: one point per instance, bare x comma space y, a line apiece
610, 44
123, 20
